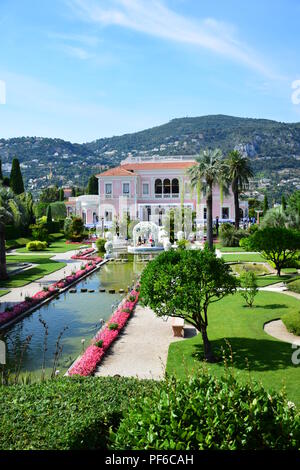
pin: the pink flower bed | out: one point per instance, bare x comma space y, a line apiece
83, 254
22, 307
93, 355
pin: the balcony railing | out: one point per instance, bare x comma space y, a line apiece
167, 196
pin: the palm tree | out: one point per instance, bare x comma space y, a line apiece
239, 172
210, 169
9, 213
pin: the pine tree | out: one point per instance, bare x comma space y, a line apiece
1, 174
16, 180
92, 187
61, 195
73, 194
266, 204
283, 202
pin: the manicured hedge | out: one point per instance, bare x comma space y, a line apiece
65, 413
209, 413
292, 322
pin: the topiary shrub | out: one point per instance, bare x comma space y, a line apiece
36, 245
204, 412
113, 326
99, 343
100, 244
292, 322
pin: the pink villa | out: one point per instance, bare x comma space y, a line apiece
146, 188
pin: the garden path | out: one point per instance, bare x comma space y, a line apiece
278, 330
142, 349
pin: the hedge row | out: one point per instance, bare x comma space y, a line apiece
65, 413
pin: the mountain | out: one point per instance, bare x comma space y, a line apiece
273, 147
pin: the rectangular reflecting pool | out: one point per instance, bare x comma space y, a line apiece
81, 313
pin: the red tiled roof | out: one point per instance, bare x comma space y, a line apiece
129, 168
118, 171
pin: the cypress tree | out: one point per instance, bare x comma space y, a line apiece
49, 217
73, 194
92, 187
283, 202
1, 175
266, 204
16, 180
61, 195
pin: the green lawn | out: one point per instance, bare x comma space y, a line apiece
232, 249
16, 243
294, 286
4, 292
263, 281
45, 266
269, 359
58, 246
244, 257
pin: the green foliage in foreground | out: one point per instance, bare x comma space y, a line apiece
208, 413
66, 413
292, 322
125, 413
100, 244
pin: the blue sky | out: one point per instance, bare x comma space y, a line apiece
85, 69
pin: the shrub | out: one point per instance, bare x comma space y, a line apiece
100, 244
182, 244
292, 322
132, 298
294, 286
113, 326
209, 413
40, 232
249, 284
99, 343
229, 236
65, 413
36, 245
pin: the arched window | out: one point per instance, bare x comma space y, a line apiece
158, 187
167, 186
175, 186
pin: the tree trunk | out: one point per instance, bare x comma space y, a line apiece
208, 353
3, 271
209, 203
236, 206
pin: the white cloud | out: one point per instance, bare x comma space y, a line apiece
77, 52
83, 39
154, 18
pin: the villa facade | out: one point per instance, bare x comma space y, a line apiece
146, 189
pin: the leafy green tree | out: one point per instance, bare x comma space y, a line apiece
16, 179
209, 170
9, 214
265, 205
239, 173
183, 283
250, 288
254, 204
58, 210
277, 244
50, 194
293, 210
92, 187
74, 228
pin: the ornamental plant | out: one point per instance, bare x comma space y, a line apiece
183, 283
113, 326
250, 288
99, 343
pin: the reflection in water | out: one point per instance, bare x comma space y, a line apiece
81, 313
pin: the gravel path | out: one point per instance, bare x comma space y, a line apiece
142, 350
278, 330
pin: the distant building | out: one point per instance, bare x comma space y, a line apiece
146, 188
